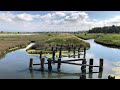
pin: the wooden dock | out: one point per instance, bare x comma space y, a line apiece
58, 60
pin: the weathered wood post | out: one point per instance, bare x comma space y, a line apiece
69, 49
60, 52
53, 56
49, 64
74, 52
42, 63
84, 53
31, 64
91, 65
59, 63
40, 54
101, 65
83, 67
78, 52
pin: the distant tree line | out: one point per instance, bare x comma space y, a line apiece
106, 29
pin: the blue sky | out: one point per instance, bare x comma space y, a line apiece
37, 21
101, 15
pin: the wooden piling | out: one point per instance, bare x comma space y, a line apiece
49, 64
40, 54
101, 64
68, 49
60, 52
78, 52
84, 53
84, 65
90, 63
59, 63
78, 49
42, 63
31, 64
74, 52
53, 56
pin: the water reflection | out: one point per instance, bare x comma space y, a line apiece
59, 74
90, 75
49, 74
32, 74
100, 75
43, 74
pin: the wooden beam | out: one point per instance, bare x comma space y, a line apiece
77, 64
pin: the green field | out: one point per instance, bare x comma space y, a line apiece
87, 36
66, 39
9, 43
112, 40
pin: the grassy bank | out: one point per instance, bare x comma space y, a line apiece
9, 43
111, 40
67, 39
87, 36
14, 42
61, 39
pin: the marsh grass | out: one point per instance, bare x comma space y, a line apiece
112, 40
9, 43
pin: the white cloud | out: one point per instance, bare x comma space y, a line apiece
59, 14
77, 16
6, 17
24, 16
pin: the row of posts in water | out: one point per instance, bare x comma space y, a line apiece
54, 50
83, 65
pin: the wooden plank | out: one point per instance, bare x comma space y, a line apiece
78, 64
39, 64
75, 60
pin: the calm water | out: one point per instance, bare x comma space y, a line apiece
15, 65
